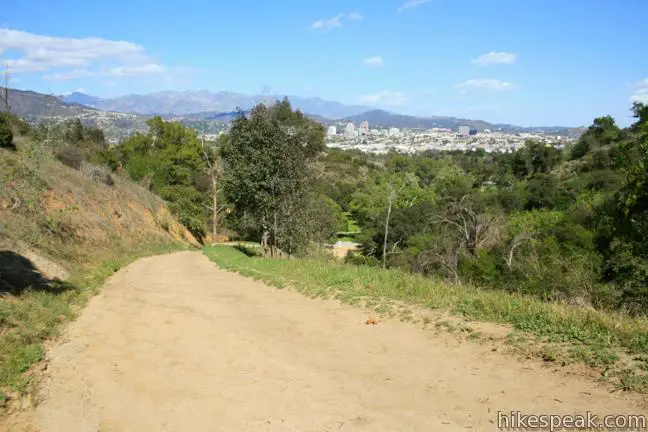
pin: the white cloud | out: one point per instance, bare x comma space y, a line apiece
389, 98
65, 58
412, 4
489, 85
148, 69
374, 62
41, 53
328, 24
641, 92
494, 58
69, 75
336, 21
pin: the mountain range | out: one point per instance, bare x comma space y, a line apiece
223, 106
190, 102
205, 110
32, 105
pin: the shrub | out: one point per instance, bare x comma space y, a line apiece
15, 123
6, 135
98, 173
70, 156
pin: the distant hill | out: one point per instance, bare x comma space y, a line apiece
387, 119
120, 122
226, 117
80, 98
35, 107
192, 102
32, 106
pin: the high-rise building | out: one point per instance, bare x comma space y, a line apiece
464, 130
332, 130
394, 131
364, 127
349, 129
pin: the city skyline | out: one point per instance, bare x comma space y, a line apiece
502, 61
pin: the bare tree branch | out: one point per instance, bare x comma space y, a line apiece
214, 173
517, 241
4, 91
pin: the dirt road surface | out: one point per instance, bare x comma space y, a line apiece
175, 344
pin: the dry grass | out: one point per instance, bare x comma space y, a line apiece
81, 223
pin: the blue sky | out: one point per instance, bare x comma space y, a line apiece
525, 62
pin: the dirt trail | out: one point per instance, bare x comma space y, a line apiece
175, 344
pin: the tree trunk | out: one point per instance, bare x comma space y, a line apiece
389, 208
5, 91
214, 183
273, 238
214, 206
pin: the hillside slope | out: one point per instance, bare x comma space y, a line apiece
62, 232
52, 208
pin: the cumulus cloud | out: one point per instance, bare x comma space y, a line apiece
336, 21
65, 58
390, 98
412, 4
495, 58
489, 85
148, 69
641, 92
39, 53
374, 62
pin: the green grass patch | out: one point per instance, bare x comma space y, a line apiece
352, 225
29, 319
596, 334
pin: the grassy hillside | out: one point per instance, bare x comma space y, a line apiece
611, 344
63, 231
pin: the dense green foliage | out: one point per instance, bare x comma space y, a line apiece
261, 172
171, 161
568, 225
565, 224
268, 157
6, 132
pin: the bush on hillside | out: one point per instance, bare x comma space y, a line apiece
6, 135
71, 157
97, 173
17, 125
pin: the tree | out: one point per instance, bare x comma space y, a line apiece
602, 132
215, 172
626, 245
268, 156
392, 194
6, 134
170, 161
475, 230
